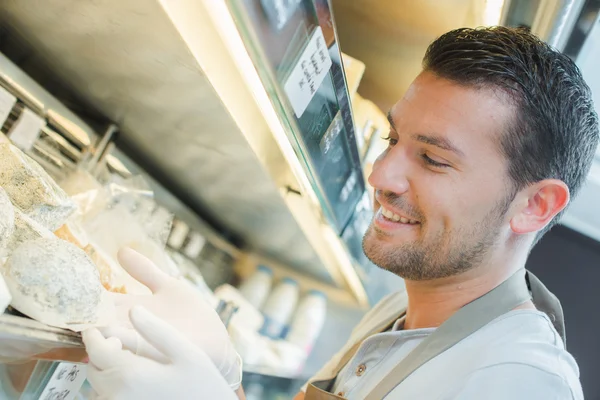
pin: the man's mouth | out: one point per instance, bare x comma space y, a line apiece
392, 216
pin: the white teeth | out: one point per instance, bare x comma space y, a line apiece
396, 218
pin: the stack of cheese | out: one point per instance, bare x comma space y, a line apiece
50, 279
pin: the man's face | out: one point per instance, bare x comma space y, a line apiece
441, 187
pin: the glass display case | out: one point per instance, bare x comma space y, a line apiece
294, 48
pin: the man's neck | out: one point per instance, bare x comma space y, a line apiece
432, 302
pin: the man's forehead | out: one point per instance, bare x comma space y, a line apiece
463, 116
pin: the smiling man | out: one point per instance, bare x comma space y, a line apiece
486, 149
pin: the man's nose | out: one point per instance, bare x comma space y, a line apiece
390, 172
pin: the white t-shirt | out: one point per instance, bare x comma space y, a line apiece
517, 356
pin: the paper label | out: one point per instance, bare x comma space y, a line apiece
7, 102
65, 383
308, 74
26, 130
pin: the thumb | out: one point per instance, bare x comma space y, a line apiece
133, 342
160, 334
142, 269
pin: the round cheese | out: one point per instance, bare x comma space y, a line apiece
54, 282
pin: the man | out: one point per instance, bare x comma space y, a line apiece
486, 149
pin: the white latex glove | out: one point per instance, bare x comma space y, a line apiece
182, 306
118, 374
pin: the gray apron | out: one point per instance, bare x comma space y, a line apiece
513, 292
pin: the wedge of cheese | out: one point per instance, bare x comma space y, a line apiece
32, 190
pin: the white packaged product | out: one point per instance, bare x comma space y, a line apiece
32, 190
7, 220
256, 288
279, 308
247, 315
54, 282
308, 321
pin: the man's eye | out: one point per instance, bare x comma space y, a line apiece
391, 140
433, 163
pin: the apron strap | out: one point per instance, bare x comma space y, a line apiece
548, 303
467, 320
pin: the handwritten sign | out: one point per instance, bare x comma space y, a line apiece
308, 74
7, 101
65, 383
26, 130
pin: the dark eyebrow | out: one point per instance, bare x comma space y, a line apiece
433, 140
391, 120
440, 142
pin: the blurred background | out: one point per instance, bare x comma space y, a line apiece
229, 141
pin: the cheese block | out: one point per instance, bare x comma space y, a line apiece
32, 190
54, 282
25, 229
7, 220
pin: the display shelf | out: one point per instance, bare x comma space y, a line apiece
21, 328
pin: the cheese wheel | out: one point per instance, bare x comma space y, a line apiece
32, 190
7, 220
54, 282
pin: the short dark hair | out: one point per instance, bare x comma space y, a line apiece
555, 130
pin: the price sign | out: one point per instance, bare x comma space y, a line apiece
308, 74
65, 383
7, 101
26, 130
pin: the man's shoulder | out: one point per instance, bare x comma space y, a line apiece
521, 337
517, 353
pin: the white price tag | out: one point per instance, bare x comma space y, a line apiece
7, 102
308, 74
26, 130
65, 383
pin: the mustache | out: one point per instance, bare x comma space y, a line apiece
400, 203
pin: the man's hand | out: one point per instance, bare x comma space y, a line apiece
118, 374
179, 304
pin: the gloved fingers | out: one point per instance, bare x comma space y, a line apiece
142, 269
119, 299
133, 342
129, 338
103, 353
162, 336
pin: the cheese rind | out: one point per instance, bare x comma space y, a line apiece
32, 190
54, 282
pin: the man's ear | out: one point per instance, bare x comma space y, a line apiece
538, 204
